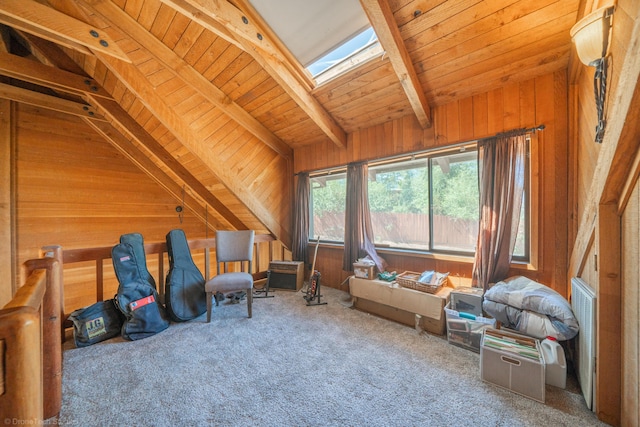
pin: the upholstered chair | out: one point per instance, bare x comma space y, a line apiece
232, 247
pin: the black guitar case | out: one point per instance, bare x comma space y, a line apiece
185, 296
137, 243
137, 299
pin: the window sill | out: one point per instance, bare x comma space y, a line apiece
463, 259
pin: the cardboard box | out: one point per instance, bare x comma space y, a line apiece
467, 300
364, 271
464, 330
514, 362
394, 302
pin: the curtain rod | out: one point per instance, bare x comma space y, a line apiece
431, 150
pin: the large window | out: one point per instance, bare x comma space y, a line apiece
454, 201
326, 213
428, 202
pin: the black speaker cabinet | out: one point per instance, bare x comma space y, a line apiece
286, 275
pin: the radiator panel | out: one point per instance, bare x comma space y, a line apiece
583, 303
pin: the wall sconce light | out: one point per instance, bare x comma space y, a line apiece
591, 38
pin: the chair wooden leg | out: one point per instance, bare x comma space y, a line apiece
249, 301
209, 296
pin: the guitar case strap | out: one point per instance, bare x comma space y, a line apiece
185, 296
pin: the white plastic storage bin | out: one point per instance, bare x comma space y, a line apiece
467, 300
514, 362
465, 330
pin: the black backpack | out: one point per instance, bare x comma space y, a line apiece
185, 296
137, 298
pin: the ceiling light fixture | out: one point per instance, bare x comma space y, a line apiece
591, 37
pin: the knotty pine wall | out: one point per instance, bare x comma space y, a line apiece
541, 100
75, 190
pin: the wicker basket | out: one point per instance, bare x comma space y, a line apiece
409, 279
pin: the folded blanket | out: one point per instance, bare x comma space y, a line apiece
531, 308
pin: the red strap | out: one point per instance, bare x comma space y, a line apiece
141, 302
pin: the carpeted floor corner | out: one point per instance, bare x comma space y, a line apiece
295, 365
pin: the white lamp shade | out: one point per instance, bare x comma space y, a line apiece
588, 35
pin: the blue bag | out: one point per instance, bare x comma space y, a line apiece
95, 323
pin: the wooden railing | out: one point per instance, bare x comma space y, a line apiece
159, 249
31, 346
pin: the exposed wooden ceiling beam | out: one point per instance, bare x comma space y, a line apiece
44, 75
48, 23
49, 102
383, 22
213, 14
50, 53
117, 18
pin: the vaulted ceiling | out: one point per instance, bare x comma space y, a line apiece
205, 98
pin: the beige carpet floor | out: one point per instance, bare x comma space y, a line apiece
294, 365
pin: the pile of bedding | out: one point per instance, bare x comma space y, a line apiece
531, 308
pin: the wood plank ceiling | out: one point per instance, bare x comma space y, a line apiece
210, 110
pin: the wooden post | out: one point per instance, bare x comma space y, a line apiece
609, 321
55, 252
22, 371
8, 266
22, 400
52, 320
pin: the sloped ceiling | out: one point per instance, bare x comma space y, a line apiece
205, 98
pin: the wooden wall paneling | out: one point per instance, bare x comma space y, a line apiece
396, 140
535, 188
353, 145
630, 347
465, 113
386, 138
495, 113
511, 96
440, 125
561, 187
527, 103
480, 115
75, 190
546, 236
453, 121
9, 265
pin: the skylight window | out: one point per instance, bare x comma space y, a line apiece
347, 55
